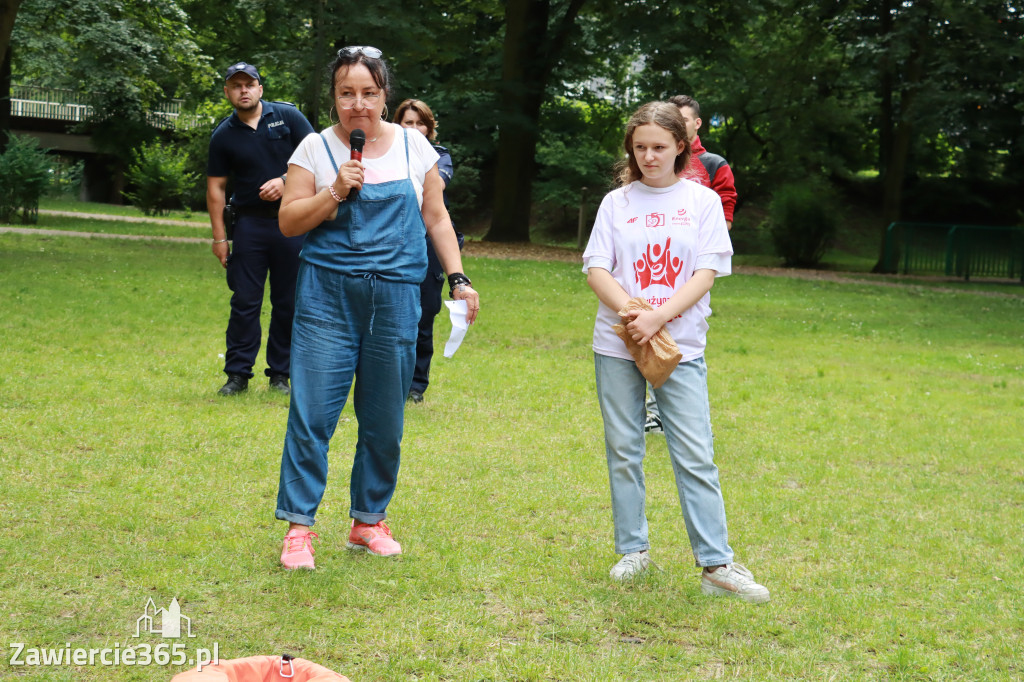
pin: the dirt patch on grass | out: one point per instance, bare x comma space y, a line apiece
521, 251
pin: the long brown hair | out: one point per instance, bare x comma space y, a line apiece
423, 111
664, 115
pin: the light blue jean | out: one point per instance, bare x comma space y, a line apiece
686, 418
346, 328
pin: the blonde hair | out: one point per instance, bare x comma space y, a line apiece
664, 115
423, 111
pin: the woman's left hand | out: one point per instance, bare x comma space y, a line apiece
464, 292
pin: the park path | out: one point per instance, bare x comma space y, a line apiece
125, 218
529, 251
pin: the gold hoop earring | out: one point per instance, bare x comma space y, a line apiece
384, 114
331, 120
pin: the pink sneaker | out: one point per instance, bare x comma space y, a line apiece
298, 549
375, 539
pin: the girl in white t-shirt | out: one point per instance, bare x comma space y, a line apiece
665, 240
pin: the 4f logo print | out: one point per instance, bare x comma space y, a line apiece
655, 220
657, 265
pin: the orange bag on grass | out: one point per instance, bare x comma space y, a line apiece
262, 669
657, 358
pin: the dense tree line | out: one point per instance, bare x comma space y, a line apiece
886, 99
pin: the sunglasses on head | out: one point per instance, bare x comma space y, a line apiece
365, 50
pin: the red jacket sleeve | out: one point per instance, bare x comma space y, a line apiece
725, 184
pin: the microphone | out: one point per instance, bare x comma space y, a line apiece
357, 138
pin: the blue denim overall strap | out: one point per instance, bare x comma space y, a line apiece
377, 232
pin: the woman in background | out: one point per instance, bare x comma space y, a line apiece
415, 114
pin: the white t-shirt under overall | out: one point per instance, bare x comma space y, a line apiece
311, 155
651, 240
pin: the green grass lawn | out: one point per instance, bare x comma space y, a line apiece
75, 206
869, 440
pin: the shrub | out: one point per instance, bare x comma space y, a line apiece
24, 176
66, 177
160, 177
802, 221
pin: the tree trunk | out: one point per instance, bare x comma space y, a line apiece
8, 12
529, 54
896, 135
522, 90
5, 100
315, 79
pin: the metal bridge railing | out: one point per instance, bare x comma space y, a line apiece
63, 104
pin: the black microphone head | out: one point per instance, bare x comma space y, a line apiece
357, 138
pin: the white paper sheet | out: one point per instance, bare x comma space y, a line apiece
457, 313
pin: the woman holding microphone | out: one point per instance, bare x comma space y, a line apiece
357, 299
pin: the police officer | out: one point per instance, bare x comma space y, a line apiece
253, 146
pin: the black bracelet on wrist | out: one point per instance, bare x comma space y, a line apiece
454, 280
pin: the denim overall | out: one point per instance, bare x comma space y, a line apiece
356, 312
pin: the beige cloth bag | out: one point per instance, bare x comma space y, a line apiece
657, 358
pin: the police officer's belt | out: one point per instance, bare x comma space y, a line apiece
268, 211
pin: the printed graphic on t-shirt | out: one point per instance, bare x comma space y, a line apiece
657, 265
680, 218
655, 220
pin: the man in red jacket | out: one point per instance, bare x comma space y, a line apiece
710, 170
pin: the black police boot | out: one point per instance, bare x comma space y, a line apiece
236, 384
279, 383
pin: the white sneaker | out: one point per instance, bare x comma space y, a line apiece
630, 566
653, 424
733, 580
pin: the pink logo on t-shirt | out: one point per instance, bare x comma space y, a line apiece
657, 266
655, 220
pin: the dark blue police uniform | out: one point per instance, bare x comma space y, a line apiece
252, 157
430, 292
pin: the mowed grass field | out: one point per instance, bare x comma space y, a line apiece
870, 441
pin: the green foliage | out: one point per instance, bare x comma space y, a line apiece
574, 167
24, 177
161, 178
569, 160
128, 56
803, 222
67, 176
788, 87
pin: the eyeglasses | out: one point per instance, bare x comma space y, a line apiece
365, 50
349, 101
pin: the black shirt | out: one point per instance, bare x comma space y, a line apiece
255, 156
